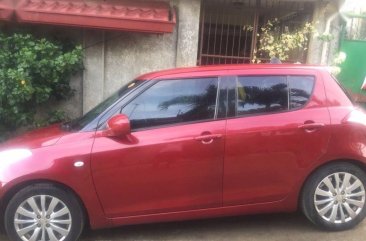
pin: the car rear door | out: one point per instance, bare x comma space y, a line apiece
278, 125
173, 159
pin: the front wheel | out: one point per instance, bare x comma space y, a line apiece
334, 196
43, 212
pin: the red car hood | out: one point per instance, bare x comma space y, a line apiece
35, 139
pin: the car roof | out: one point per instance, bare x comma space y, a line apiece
161, 74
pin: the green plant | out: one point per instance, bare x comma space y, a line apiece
337, 62
276, 41
55, 116
326, 37
33, 71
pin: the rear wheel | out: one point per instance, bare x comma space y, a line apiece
43, 212
334, 196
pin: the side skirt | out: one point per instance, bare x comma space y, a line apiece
271, 207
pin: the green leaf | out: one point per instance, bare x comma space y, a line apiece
32, 72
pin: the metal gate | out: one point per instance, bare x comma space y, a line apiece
353, 43
229, 29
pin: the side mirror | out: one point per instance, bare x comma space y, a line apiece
118, 125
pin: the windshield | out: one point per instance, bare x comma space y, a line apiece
81, 122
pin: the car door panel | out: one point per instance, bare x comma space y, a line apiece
266, 154
160, 170
172, 160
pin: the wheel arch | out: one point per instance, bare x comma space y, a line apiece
9, 194
354, 162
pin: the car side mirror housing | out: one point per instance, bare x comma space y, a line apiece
118, 126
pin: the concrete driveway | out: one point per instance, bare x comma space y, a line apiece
278, 227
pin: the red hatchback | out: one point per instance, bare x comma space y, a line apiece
192, 143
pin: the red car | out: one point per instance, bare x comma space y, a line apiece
192, 143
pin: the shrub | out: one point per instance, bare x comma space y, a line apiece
33, 71
273, 42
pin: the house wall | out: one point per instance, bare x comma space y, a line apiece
115, 58
323, 52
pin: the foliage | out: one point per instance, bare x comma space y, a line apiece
276, 41
326, 37
337, 62
33, 72
55, 116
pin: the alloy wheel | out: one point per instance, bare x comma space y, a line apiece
339, 198
44, 218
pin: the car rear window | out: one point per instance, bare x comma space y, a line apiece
270, 94
300, 88
261, 94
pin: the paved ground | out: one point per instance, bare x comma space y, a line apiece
279, 227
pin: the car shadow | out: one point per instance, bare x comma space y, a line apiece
233, 228
273, 227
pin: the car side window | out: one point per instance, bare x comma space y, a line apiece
173, 101
262, 94
301, 88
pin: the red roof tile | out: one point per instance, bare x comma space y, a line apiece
156, 17
6, 9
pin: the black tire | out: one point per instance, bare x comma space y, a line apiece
308, 193
67, 198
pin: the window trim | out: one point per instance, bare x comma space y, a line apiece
95, 124
276, 112
311, 94
225, 82
108, 113
219, 81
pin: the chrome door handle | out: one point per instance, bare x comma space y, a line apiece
207, 139
311, 126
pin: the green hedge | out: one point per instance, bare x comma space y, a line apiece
33, 71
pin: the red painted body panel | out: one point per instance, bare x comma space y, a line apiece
6, 9
256, 164
159, 170
153, 17
36, 139
213, 70
265, 154
204, 213
55, 163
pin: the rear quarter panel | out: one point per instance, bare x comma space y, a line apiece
348, 140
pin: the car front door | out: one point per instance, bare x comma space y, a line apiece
279, 126
172, 160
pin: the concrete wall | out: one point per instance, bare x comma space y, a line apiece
115, 58
120, 57
323, 52
188, 31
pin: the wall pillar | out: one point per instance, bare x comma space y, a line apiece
325, 11
93, 79
114, 58
188, 32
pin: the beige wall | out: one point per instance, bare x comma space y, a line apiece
321, 52
114, 58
